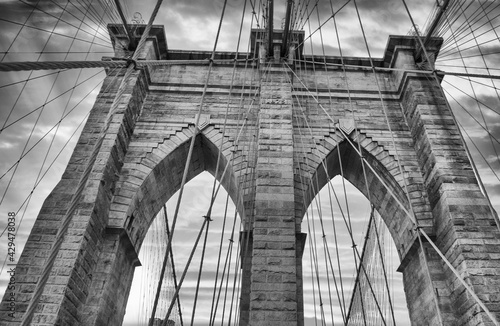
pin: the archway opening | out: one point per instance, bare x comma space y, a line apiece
212, 293
342, 231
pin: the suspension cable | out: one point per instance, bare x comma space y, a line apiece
175, 297
472, 86
202, 260
23, 25
31, 133
172, 262
26, 152
63, 147
212, 317
474, 167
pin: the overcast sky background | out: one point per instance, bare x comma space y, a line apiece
189, 25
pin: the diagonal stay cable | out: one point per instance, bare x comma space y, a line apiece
33, 128
51, 33
23, 155
64, 146
19, 31
470, 114
476, 147
41, 175
357, 281
326, 21
48, 102
30, 79
202, 260
474, 93
175, 297
66, 106
474, 167
478, 150
482, 84
213, 308
66, 220
55, 33
64, 10
98, 34
172, 262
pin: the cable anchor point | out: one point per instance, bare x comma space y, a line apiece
131, 61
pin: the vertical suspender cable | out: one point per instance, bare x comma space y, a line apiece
344, 72
213, 307
357, 284
241, 258
188, 162
172, 262
270, 21
181, 280
220, 151
284, 48
314, 250
202, 260
342, 304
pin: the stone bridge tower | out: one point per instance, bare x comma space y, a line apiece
141, 161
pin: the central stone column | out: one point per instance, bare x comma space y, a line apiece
274, 279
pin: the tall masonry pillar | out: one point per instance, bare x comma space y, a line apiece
272, 269
275, 280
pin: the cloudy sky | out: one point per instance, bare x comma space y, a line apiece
60, 30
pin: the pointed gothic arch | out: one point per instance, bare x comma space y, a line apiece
146, 195
386, 194
381, 169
